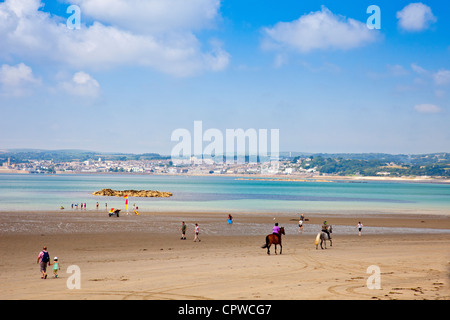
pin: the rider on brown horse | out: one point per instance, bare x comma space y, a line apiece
274, 238
276, 230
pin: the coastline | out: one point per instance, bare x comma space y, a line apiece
142, 257
275, 177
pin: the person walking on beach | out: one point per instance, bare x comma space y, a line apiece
300, 223
359, 226
196, 232
43, 260
183, 231
55, 267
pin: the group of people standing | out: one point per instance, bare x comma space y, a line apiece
81, 206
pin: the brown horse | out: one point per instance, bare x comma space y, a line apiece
274, 239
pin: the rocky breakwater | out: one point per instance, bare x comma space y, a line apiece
132, 193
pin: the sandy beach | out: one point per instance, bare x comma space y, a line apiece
142, 257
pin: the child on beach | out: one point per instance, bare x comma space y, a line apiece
55, 267
183, 231
300, 223
196, 232
359, 226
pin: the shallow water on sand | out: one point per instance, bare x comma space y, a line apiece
85, 223
222, 194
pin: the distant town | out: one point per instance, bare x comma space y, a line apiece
292, 164
157, 166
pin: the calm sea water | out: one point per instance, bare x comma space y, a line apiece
223, 194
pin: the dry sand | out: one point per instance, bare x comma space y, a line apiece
142, 257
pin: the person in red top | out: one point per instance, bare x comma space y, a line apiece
44, 260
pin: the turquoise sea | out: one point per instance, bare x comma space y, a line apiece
223, 194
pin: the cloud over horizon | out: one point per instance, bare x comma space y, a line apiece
297, 66
34, 35
415, 17
318, 30
16, 80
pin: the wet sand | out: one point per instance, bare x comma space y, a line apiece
142, 257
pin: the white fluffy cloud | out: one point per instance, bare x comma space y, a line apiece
112, 39
82, 84
442, 77
318, 30
144, 16
16, 80
427, 108
415, 17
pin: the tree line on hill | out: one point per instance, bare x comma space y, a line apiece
433, 165
24, 155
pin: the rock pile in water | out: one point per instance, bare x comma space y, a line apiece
132, 193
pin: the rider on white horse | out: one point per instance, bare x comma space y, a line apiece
325, 229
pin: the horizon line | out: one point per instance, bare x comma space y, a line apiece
17, 150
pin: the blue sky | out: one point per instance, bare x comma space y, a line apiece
138, 70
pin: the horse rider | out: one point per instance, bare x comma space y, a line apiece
325, 229
276, 230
